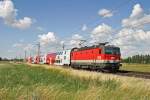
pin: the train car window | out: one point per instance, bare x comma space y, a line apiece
64, 57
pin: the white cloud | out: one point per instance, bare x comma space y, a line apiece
84, 27
45, 39
23, 46
62, 42
40, 28
75, 40
8, 13
77, 37
105, 13
137, 18
28, 47
22, 23
101, 33
137, 11
10, 51
102, 29
132, 41
17, 45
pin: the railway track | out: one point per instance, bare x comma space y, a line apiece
145, 75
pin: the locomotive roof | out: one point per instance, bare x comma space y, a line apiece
92, 47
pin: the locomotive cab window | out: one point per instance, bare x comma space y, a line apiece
112, 51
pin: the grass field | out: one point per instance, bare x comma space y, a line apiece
136, 67
42, 82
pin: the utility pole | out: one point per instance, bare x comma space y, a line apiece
25, 55
63, 46
38, 51
19, 57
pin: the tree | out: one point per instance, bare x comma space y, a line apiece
0, 59
141, 59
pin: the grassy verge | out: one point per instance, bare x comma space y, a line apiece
136, 67
23, 82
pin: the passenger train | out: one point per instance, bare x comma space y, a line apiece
97, 57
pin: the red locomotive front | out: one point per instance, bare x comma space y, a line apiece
98, 57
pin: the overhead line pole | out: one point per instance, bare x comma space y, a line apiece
38, 51
25, 55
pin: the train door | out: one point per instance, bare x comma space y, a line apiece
93, 56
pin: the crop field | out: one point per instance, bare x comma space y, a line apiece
42, 82
136, 67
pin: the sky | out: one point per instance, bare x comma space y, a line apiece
53, 23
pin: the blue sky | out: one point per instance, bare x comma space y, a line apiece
63, 17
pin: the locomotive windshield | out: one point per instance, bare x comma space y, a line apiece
112, 50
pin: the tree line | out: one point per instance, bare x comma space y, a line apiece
15, 59
141, 59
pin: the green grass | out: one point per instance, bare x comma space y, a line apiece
136, 67
22, 82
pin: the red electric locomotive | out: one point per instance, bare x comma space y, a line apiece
99, 57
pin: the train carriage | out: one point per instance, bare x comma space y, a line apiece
50, 58
43, 59
36, 60
63, 58
29, 59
